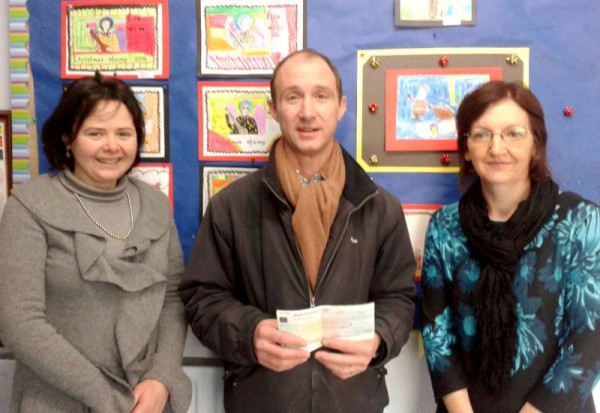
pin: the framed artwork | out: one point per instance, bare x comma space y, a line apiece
159, 176
5, 157
126, 39
154, 101
247, 37
215, 178
407, 101
417, 218
421, 105
434, 13
234, 121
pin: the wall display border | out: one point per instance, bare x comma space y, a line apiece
24, 135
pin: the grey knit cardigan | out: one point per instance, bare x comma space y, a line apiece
85, 327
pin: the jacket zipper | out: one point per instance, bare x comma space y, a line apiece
325, 272
311, 297
359, 206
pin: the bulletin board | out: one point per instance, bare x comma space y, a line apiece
563, 73
406, 123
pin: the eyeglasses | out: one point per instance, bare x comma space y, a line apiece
512, 134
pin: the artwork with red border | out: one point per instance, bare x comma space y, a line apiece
417, 218
421, 105
234, 121
126, 39
158, 175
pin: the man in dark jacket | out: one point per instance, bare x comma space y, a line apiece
310, 228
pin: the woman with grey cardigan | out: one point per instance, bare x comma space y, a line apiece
90, 261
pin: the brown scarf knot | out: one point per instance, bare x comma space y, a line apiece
315, 204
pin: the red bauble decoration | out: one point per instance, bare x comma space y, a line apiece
568, 112
445, 159
373, 107
443, 62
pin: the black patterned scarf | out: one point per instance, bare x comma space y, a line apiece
499, 247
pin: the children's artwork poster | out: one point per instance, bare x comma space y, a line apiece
159, 176
5, 157
417, 218
235, 122
154, 103
427, 13
247, 37
215, 178
421, 106
407, 101
127, 39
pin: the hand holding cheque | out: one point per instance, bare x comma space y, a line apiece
349, 330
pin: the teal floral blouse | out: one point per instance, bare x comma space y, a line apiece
557, 286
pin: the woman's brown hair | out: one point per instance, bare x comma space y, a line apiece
478, 101
76, 104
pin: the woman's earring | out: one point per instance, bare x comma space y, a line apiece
68, 151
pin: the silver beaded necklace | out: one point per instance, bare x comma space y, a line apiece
119, 237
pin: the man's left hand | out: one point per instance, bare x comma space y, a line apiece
352, 358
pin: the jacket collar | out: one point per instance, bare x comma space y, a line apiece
357, 188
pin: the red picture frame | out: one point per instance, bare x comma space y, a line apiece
220, 106
5, 156
417, 218
420, 106
126, 39
159, 175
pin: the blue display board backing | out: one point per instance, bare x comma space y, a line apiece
564, 42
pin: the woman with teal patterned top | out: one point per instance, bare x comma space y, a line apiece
511, 273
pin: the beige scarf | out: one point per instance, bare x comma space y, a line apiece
316, 205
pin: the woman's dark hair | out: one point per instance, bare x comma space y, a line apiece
76, 104
478, 101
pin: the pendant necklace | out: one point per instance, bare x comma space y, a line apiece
113, 235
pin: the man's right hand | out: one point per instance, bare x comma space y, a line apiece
271, 347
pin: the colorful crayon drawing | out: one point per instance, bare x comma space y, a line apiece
243, 38
417, 218
129, 40
241, 29
159, 176
152, 101
235, 121
105, 37
215, 178
451, 11
426, 104
242, 122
